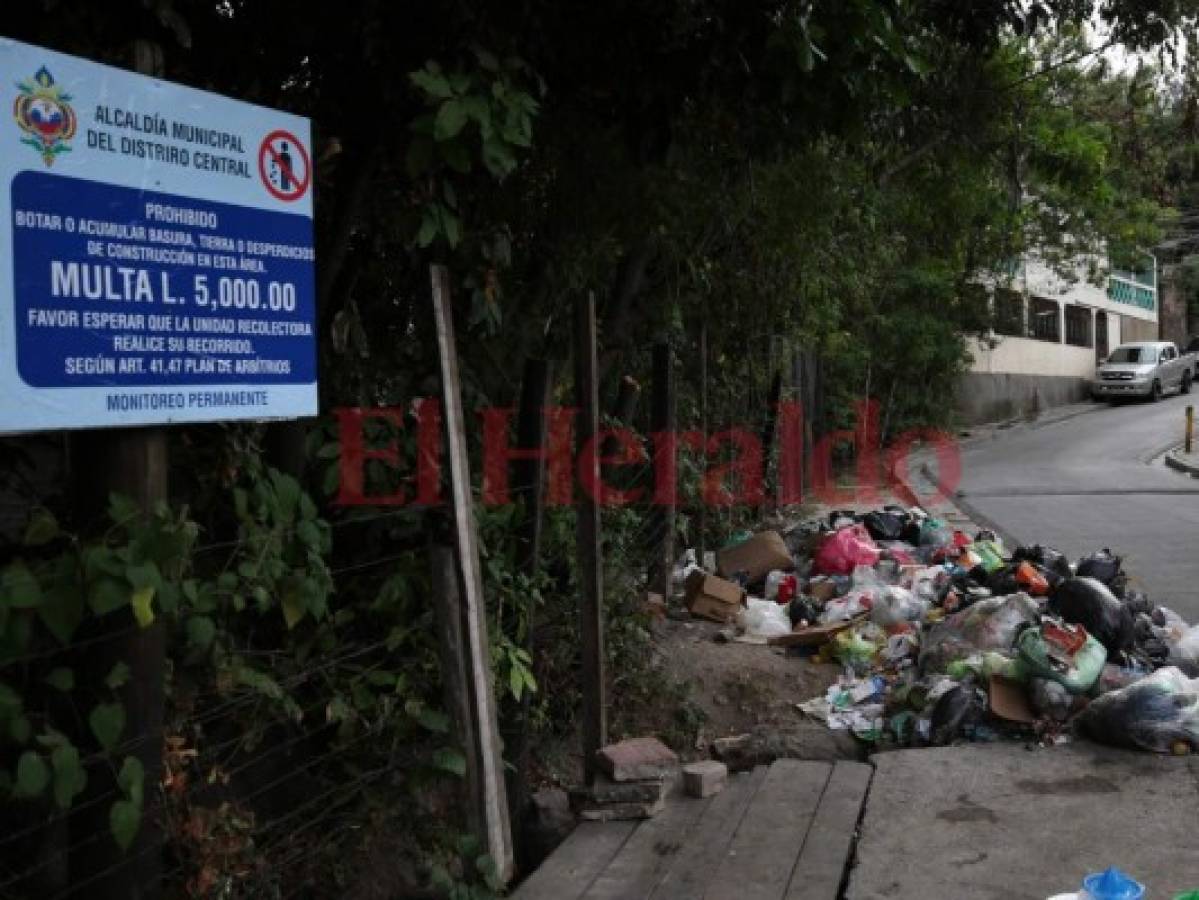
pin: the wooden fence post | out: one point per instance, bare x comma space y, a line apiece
664, 437
489, 798
133, 462
531, 429
622, 414
453, 653
806, 390
768, 432
590, 560
529, 474
702, 513
626, 401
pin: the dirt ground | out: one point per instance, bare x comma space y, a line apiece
707, 689
737, 686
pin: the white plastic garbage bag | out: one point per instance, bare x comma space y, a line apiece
842, 609
764, 619
897, 605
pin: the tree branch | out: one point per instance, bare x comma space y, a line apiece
351, 195
618, 311
912, 158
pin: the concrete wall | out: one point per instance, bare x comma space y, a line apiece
1021, 376
1026, 356
1134, 329
994, 397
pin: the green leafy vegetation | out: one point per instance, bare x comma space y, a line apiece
826, 180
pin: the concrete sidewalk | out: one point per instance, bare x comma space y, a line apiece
999, 821
1181, 461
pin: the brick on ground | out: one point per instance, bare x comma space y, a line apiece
704, 778
638, 759
609, 812
605, 790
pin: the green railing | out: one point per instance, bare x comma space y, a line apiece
1132, 289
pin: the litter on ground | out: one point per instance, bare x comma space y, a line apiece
943, 636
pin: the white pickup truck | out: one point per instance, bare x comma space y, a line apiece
1145, 369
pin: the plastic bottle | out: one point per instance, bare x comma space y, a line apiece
787, 589
1111, 885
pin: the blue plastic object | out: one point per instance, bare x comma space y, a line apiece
1112, 885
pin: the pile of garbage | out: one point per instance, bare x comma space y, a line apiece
944, 636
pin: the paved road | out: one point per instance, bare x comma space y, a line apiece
1092, 481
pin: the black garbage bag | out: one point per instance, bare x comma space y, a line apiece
1053, 562
1049, 699
1101, 565
1157, 713
885, 525
1138, 602
1002, 582
1088, 602
803, 609
956, 710
1146, 645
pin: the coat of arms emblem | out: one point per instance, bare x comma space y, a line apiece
43, 112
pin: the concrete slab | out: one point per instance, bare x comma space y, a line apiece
999, 821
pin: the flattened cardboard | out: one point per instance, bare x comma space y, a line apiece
815, 635
1009, 701
824, 590
761, 554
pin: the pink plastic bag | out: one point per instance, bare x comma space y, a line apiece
840, 552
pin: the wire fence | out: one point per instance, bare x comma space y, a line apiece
270, 783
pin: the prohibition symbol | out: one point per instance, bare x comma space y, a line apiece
283, 165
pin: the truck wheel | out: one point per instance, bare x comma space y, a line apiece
1155, 392
1186, 382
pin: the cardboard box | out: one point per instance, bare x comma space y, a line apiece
760, 555
714, 610
713, 598
823, 590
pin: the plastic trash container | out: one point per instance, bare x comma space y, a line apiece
1111, 885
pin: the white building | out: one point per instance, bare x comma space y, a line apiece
1050, 332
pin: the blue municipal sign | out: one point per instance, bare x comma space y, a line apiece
157, 251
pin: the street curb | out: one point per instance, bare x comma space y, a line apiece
972, 512
1181, 465
950, 498
904, 490
1004, 427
